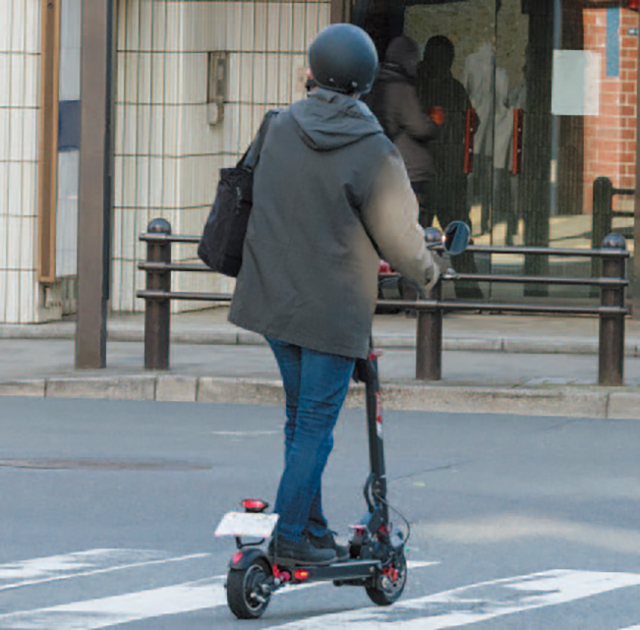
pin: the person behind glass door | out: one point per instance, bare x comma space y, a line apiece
437, 87
394, 101
488, 90
503, 209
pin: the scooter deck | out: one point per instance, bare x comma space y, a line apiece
349, 570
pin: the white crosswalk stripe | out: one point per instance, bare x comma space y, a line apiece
81, 563
109, 611
476, 603
456, 607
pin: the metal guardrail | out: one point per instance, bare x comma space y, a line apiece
611, 311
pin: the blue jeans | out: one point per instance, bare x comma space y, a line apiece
315, 385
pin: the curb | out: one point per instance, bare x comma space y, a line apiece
577, 402
398, 341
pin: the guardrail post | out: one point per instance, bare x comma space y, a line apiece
429, 328
611, 345
157, 317
601, 218
429, 340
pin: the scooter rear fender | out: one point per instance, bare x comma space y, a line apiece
244, 558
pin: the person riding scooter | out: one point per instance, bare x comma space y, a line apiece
331, 196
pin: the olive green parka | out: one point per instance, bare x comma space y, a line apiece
331, 197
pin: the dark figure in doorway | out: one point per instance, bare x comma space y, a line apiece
437, 87
394, 102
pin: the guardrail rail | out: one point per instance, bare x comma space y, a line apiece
611, 311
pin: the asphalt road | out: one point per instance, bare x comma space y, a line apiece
108, 510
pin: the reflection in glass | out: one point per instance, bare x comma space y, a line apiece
539, 98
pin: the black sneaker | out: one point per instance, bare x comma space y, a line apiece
301, 552
328, 541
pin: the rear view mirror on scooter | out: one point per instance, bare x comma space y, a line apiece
455, 239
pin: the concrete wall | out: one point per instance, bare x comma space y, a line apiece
167, 155
19, 80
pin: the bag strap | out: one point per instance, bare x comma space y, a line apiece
250, 158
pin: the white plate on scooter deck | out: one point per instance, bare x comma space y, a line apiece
250, 524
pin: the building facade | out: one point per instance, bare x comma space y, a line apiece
552, 82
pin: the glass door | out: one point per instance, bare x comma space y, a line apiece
569, 118
457, 73
538, 145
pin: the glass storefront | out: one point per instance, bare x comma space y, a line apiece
539, 99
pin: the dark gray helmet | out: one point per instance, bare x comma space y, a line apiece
343, 58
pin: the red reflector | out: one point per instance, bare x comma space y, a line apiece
254, 505
237, 556
301, 574
392, 573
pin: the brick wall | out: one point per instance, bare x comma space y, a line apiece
610, 137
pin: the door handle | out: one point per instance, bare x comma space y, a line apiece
516, 153
469, 132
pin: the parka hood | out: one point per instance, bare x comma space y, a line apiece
403, 53
329, 120
394, 73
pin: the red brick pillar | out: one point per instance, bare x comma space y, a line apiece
610, 137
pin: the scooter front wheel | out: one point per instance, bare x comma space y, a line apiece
388, 586
248, 590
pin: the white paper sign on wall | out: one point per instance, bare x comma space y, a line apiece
576, 83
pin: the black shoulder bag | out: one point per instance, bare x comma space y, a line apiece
223, 236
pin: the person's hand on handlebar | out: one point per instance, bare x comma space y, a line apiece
443, 270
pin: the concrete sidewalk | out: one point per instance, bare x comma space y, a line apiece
462, 331
493, 363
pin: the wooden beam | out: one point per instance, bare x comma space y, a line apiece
48, 140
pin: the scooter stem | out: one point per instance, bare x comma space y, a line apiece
368, 372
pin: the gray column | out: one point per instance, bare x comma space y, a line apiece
95, 194
338, 11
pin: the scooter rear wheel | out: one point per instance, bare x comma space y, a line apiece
248, 592
386, 590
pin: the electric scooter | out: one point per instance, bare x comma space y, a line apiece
376, 547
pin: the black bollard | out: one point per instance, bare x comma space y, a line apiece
429, 341
611, 344
429, 329
157, 318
